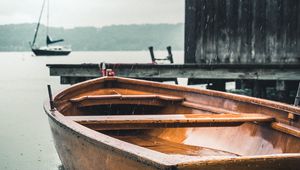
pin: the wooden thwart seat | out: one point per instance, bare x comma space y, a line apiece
153, 100
286, 129
164, 121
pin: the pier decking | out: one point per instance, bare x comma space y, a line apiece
72, 73
283, 77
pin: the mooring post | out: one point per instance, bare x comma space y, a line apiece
152, 54
50, 97
170, 55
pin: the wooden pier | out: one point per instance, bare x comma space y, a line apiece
283, 77
286, 72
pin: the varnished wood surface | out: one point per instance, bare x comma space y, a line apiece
164, 121
124, 97
287, 129
90, 150
169, 147
156, 100
263, 132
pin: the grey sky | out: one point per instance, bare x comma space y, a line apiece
71, 13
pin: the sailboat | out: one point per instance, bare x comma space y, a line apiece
50, 49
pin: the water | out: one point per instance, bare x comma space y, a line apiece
25, 138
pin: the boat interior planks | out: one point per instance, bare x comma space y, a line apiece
139, 124
169, 147
161, 121
286, 128
156, 100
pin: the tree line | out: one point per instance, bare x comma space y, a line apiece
16, 37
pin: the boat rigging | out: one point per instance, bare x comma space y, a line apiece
50, 49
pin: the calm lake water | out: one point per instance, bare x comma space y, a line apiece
25, 138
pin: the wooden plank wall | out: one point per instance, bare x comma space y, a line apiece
242, 31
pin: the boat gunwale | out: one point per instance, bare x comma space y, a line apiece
215, 93
234, 97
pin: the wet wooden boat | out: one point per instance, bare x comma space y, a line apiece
120, 123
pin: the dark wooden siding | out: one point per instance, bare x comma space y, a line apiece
242, 31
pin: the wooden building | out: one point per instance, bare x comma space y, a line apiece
258, 32
242, 31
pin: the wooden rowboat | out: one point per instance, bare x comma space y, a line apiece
120, 123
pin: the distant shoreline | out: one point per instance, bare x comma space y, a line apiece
16, 37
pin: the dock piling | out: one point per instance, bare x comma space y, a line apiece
152, 54
50, 97
170, 55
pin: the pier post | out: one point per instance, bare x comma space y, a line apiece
281, 90
259, 89
152, 54
50, 97
170, 55
240, 84
219, 85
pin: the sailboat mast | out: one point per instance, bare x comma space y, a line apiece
48, 13
38, 25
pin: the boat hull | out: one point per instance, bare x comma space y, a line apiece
76, 151
87, 145
39, 52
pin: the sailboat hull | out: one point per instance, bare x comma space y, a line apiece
43, 52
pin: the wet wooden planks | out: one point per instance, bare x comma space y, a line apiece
195, 71
167, 121
152, 100
286, 129
169, 147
